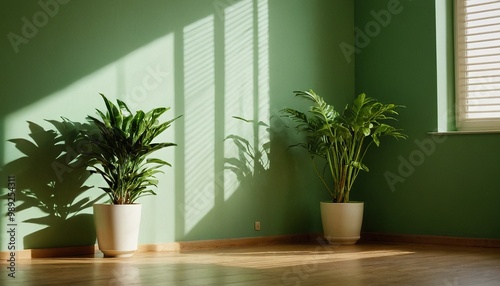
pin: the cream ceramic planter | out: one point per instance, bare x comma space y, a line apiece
342, 222
117, 228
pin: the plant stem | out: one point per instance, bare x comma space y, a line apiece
322, 180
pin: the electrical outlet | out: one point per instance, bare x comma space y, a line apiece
256, 225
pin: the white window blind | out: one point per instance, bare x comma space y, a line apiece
477, 64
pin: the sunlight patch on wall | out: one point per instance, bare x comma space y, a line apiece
146, 78
246, 86
142, 78
263, 98
199, 114
73, 102
239, 83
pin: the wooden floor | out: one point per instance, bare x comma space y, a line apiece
276, 264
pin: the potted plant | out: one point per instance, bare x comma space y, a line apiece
341, 140
121, 144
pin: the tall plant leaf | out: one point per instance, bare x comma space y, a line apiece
121, 149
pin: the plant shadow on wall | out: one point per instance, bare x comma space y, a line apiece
52, 177
247, 168
252, 163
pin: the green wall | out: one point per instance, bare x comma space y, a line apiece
212, 60
209, 61
442, 185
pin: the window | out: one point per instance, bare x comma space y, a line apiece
477, 64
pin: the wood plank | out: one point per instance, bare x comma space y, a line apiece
310, 263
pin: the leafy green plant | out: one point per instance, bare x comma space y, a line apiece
342, 139
120, 149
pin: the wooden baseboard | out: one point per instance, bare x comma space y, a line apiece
170, 246
51, 252
428, 239
20, 254
222, 243
64, 251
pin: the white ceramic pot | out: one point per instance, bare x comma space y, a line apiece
117, 228
342, 222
